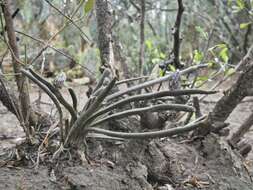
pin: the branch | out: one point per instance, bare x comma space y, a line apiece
177, 40
201, 122
55, 34
152, 28
104, 24
70, 19
8, 99
49, 93
153, 82
97, 89
73, 97
240, 66
137, 111
105, 74
131, 80
57, 93
20, 79
80, 122
246, 38
44, 43
197, 107
243, 129
238, 91
142, 38
55, 49
135, 6
146, 97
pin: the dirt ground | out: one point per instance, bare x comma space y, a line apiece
27, 178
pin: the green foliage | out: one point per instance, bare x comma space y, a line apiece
27, 12
154, 53
220, 51
172, 68
229, 71
245, 25
229, 3
202, 32
238, 5
89, 6
224, 54
197, 57
200, 20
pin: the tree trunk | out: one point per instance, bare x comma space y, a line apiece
142, 39
237, 92
120, 58
233, 96
22, 84
104, 31
8, 98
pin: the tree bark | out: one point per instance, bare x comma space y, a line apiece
119, 57
177, 39
233, 96
237, 92
243, 129
7, 97
142, 39
21, 81
104, 31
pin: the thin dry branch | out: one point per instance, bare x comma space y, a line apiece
54, 35
55, 49
50, 94
74, 98
242, 130
44, 43
70, 19
78, 125
148, 96
57, 93
153, 82
137, 111
105, 74
201, 122
238, 67
131, 80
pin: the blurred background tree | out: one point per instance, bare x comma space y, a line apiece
211, 31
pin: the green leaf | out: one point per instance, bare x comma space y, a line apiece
89, 5
198, 56
245, 25
202, 78
224, 54
210, 64
240, 4
155, 60
229, 3
202, 32
172, 68
229, 72
149, 44
162, 55
217, 46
